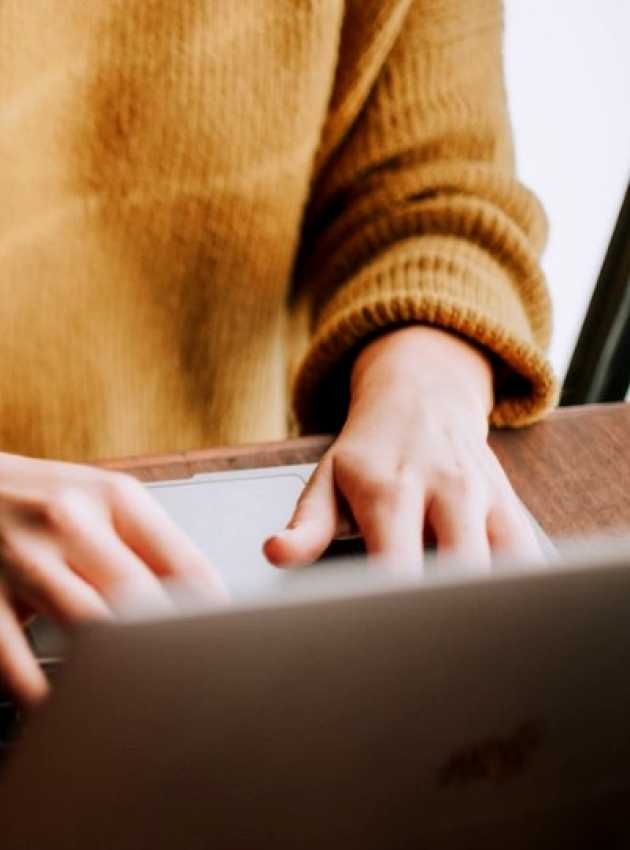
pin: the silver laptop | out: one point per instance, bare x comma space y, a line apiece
354, 708
229, 515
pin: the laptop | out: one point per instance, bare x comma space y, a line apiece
229, 515
354, 708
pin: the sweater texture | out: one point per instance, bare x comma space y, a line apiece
208, 206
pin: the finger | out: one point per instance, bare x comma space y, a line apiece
146, 527
313, 524
94, 551
389, 514
42, 579
117, 573
18, 668
459, 527
511, 534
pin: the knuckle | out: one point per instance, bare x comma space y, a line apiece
347, 461
407, 479
122, 487
380, 487
62, 506
384, 483
456, 483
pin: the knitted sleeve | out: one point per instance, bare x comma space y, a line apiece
417, 217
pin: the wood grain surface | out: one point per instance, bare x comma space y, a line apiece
571, 470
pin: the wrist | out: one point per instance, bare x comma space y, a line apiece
427, 360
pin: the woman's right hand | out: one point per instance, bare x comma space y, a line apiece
75, 540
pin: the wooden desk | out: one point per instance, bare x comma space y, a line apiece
572, 470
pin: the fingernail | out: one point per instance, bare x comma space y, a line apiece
270, 540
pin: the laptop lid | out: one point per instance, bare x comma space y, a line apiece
456, 711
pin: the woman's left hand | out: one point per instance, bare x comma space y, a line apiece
412, 462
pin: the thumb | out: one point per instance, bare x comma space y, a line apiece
313, 524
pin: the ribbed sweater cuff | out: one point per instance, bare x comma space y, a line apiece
419, 285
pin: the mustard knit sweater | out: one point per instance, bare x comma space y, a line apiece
206, 206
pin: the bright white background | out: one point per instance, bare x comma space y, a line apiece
567, 65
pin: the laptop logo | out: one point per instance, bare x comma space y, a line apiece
495, 760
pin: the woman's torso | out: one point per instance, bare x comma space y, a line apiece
155, 162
